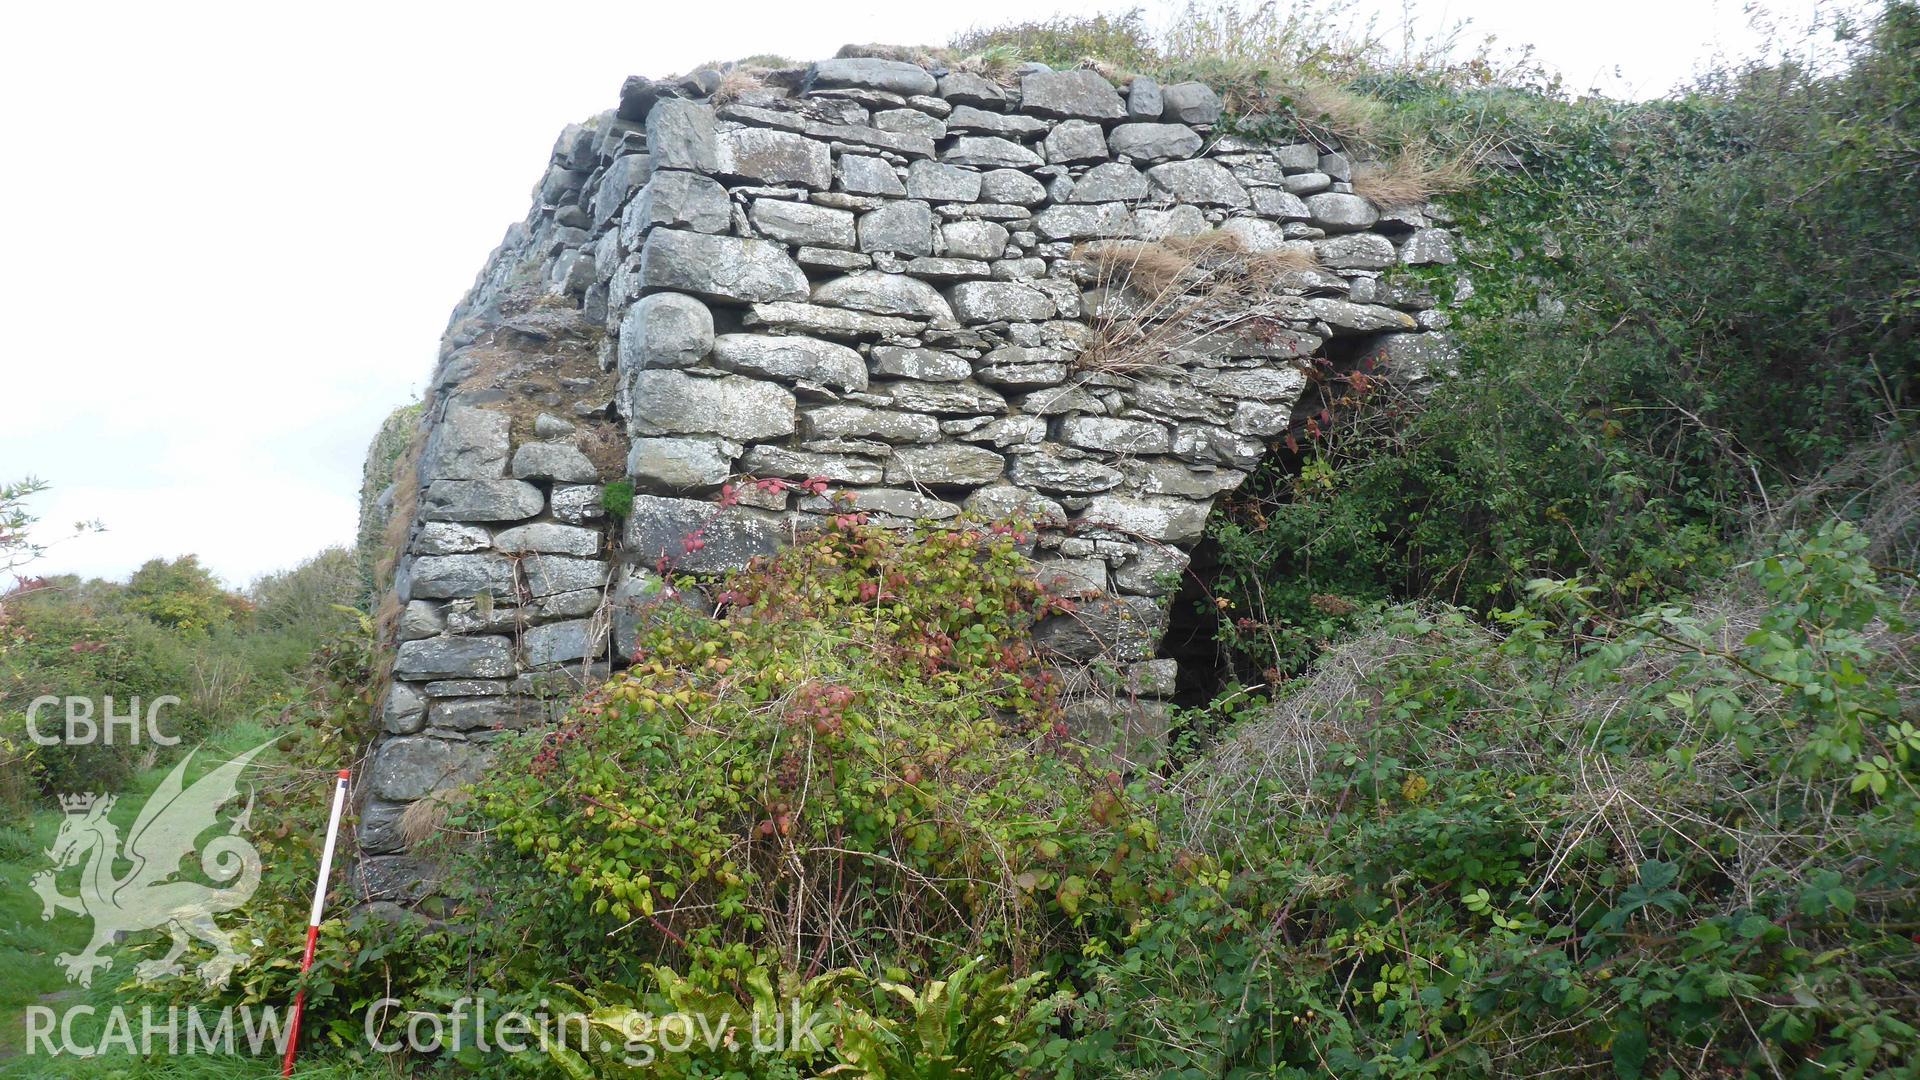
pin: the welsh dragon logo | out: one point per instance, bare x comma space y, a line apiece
144, 897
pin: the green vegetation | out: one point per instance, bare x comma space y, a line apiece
286, 660
1588, 719
1680, 313
617, 499
1678, 843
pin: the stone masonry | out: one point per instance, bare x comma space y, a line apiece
872, 273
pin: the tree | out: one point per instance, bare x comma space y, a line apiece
180, 594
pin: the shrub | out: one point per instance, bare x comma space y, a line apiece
1122, 40
861, 765
1670, 319
307, 599
181, 595
71, 640
1666, 844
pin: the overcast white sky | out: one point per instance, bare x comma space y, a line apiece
238, 228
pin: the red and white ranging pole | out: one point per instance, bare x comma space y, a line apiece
313, 920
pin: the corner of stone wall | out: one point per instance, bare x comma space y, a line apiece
872, 274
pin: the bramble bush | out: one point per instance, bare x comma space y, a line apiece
1676, 843
855, 777
861, 763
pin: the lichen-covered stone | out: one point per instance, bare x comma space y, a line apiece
999, 301
989, 152
1058, 472
1144, 99
553, 461
467, 444
617, 185
1279, 204
766, 156
973, 240
904, 227
899, 505
665, 330
720, 267
1190, 103
1074, 141
1199, 182
1122, 628
548, 538
660, 527
803, 223
1111, 182
1013, 187
1153, 517
681, 135
966, 88
405, 769
455, 658
1348, 318
678, 462
442, 577
1356, 251
561, 642
944, 465
936, 182
1338, 212
868, 73
966, 119
862, 422
779, 461
545, 575
862, 175
1428, 247
1085, 222
954, 398
676, 200
824, 321
802, 360
732, 407
1154, 142
1079, 94
481, 500
1007, 502
1117, 435
885, 294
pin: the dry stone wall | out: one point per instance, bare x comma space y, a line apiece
873, 274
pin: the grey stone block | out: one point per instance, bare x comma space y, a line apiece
720, 267
801, 360
674, 403
1079, 94
481, 500
455, 658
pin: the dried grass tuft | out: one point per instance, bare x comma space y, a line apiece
737, 83
1414, 175
1166, 295
425, 817
1333, 114
995, 63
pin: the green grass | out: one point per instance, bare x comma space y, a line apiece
28, 944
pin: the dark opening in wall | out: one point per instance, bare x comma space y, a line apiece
1207, 665
1193, 632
